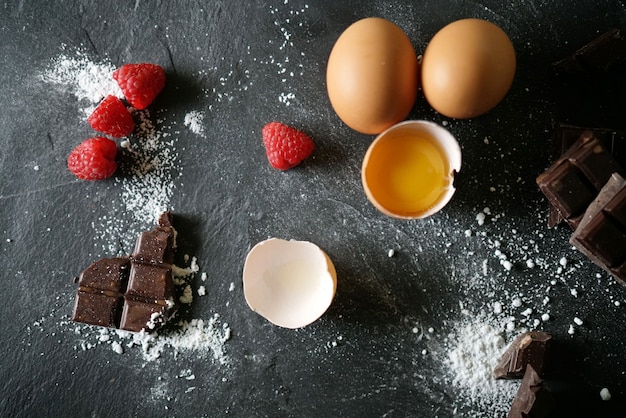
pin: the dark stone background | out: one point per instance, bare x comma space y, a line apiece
362, 358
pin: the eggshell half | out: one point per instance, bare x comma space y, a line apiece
289, 283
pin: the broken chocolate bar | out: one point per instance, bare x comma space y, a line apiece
600, 55
532, 398
565, 136
601, 234
528, 348
132, 293
575, 179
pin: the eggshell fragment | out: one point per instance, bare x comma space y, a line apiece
467, 68
289, 283
372, 75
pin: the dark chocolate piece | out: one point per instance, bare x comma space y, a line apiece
132, 293
565, 136
575, 179
598, 56
528, 348
601, 234
532, 398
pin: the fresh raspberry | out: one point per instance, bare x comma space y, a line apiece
112, 118
285, 146
93, 159
140, 83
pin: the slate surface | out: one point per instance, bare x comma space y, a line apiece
242, 64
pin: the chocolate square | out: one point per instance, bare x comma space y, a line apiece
107, 274
97, 309
532, 398
601, 235
150, 282
528, 348
154, 247
573, 181
605, 238
138, 315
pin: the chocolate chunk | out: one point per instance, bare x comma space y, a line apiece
528, 348
96, 308
575, 179
532, 398
600, 55
565, 136
132, 293
155, 247
601, 234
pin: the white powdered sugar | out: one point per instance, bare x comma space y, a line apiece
197, 335
148, 167
472, 355
150, 159
88, 80
194, 120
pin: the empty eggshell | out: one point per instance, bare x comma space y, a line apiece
289, 283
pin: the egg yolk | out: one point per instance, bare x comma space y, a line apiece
408, 173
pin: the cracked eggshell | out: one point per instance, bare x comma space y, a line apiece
289, 283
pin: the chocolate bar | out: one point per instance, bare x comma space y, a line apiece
589, 86
601, 234
532, 398
528, 348
565, 136
600, 55
575, 179
132, 293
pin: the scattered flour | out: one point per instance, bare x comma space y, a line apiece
197, 335
206, 337
147, 177
149, 167
473, 351
194, 120
88, 81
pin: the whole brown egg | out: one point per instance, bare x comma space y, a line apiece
467, 68
372, 75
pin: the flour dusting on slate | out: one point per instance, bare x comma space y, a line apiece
146, 180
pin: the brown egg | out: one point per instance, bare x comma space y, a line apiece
371, 76
467, 68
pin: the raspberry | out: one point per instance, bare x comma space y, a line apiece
111, 117
140, 83
285, 146
93, 159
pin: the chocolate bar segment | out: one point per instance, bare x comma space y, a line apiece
601, 234
528, 348
598, 56
107, 274
532, 398
138, 315
132, 293
574, 180
96, 308
150, 282
565, 136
